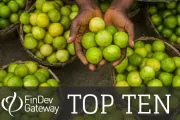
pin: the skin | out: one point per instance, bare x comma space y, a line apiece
116, 15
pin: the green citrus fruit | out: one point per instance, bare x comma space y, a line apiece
71, 49
154, 63
5, 12
158, 46
177, 31
153, 9
177, 72
96, 24
147, 73
27, 28
3, 74
111, 29
53, 83
62, 55
121, 39
5, 81
122, 66
38, 32
42, 20
30, 42
39, 4
94, 55
156, 19
122, 84
66, 22
39, 55
168, 65
177, 61
167, 33
173, 38
139, 44
176, 81
30, 81
21, 3
166, 78
45, 72
24, 18
159, 55
120, 77
55, 29
141, 51
13, 6
48, 39
40, 77
48, 6
66, 11
32, 66
129, 51
131, 68
46, 50
4, 23
103, 38
11, 67
159, 28
171, 5
15, 81
134, 79
33, 18
59, 42
66, 34
170, 21
52, 58
135, 59
88, 40
155, 83
54, 16
21, 70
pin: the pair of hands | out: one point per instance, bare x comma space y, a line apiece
113, 16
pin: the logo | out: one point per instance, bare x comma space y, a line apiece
11, 100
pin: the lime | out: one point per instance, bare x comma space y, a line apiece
139, 44
55, 29
156, 19
48, 6
122, 66
177, 61
168, 65
161, 5
5, 116
74, 8
177, 31
66, 22
46, 50
154, 63
121, 39
5, 12
5, 1
96, 24
53, 83
1, 4
30, 81
171, 5
39, 4
59, 42
25, 18
13, 6
54, 16
120, 77
39, 55
66, 34
103, 38
78, 118
45, 72
11, 67
178, 19
52, 58
104, 6
42, 20
159, 55
158, 46
94, 55
147, 73
143, 64
38, 32
177, 72
21, 70
166, 78
28, 35
170, 21
48, 39
71, 49
30, 42
134, 79
153, 9
159, 28
21, 3
15, 81
111, 29
33, 18
141, 51
176, 81
60, 3
88, 40
62, 55
166, 32
135, 59
112, 53
32, 66
155, 83
178, 40
122, 84
129, 51
27, 28
3, 74
9, 75
66, 11
173, 38
178, 7
14, 18
73, 15
131, 68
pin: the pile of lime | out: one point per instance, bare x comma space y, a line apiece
10, 11
26, 75
103, 42
113, 113
47, 30
148, 66
166, 18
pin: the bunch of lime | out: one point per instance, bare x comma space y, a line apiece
26, 75
113, 113
166, 18
103, 42
10, 11
47, 30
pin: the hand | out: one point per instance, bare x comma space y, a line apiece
117, 16
80, 25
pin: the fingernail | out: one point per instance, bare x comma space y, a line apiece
69, 39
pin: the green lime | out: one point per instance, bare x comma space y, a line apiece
39, 45
148, 48
121, 39
2, 4
168, 65
94, 55
159, 55
178, 40
4, 23
134, 79
39, 55
166, 32
53, 83
171, 5
59, 42
38, 32
96, 24
166, 78
155, 83
52, 58
156, 19
66, 11
25, 18
159, 28
39, 4
46, 50
62, 55
45, 72
176, 81
103, 38
111, 29
21, 3
153, 9
33, 18
13, 6
154, 63
32, 66
5, 12
15, 81
129, 51
73, 15
158, 46
173, 38
147, 73
139, 44
135, 59
178, 7
66, 34
131, 68
48, 39
71, 49
42, 20
3, 74
120, 77
9, 75
88, 40
30, 81
54, 15
177, 61
178, 31
14, 18
11, 67
55, 29
166, 13
21, 70
74, 8
170, 21
122, 66
174, 11
66, 22
141, 51
104, 6
48, 6
27, 28
177, 72
178, 19
30, 42
161, 5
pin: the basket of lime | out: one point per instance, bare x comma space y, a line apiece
44, 32
152, 64
10, 11
164, 19
27, 78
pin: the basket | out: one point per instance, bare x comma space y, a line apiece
11, 28
134, 13
149, 23
32, 56
170, 49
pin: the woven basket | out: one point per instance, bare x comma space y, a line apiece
149, 23
134, 13
31, 55
170, 49
11, 28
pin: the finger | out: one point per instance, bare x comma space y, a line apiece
129, 27
79, 51
102, 63
107, 19
92, 67
123, 56
73, 31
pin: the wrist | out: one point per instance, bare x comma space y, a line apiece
122, 5
87, 4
